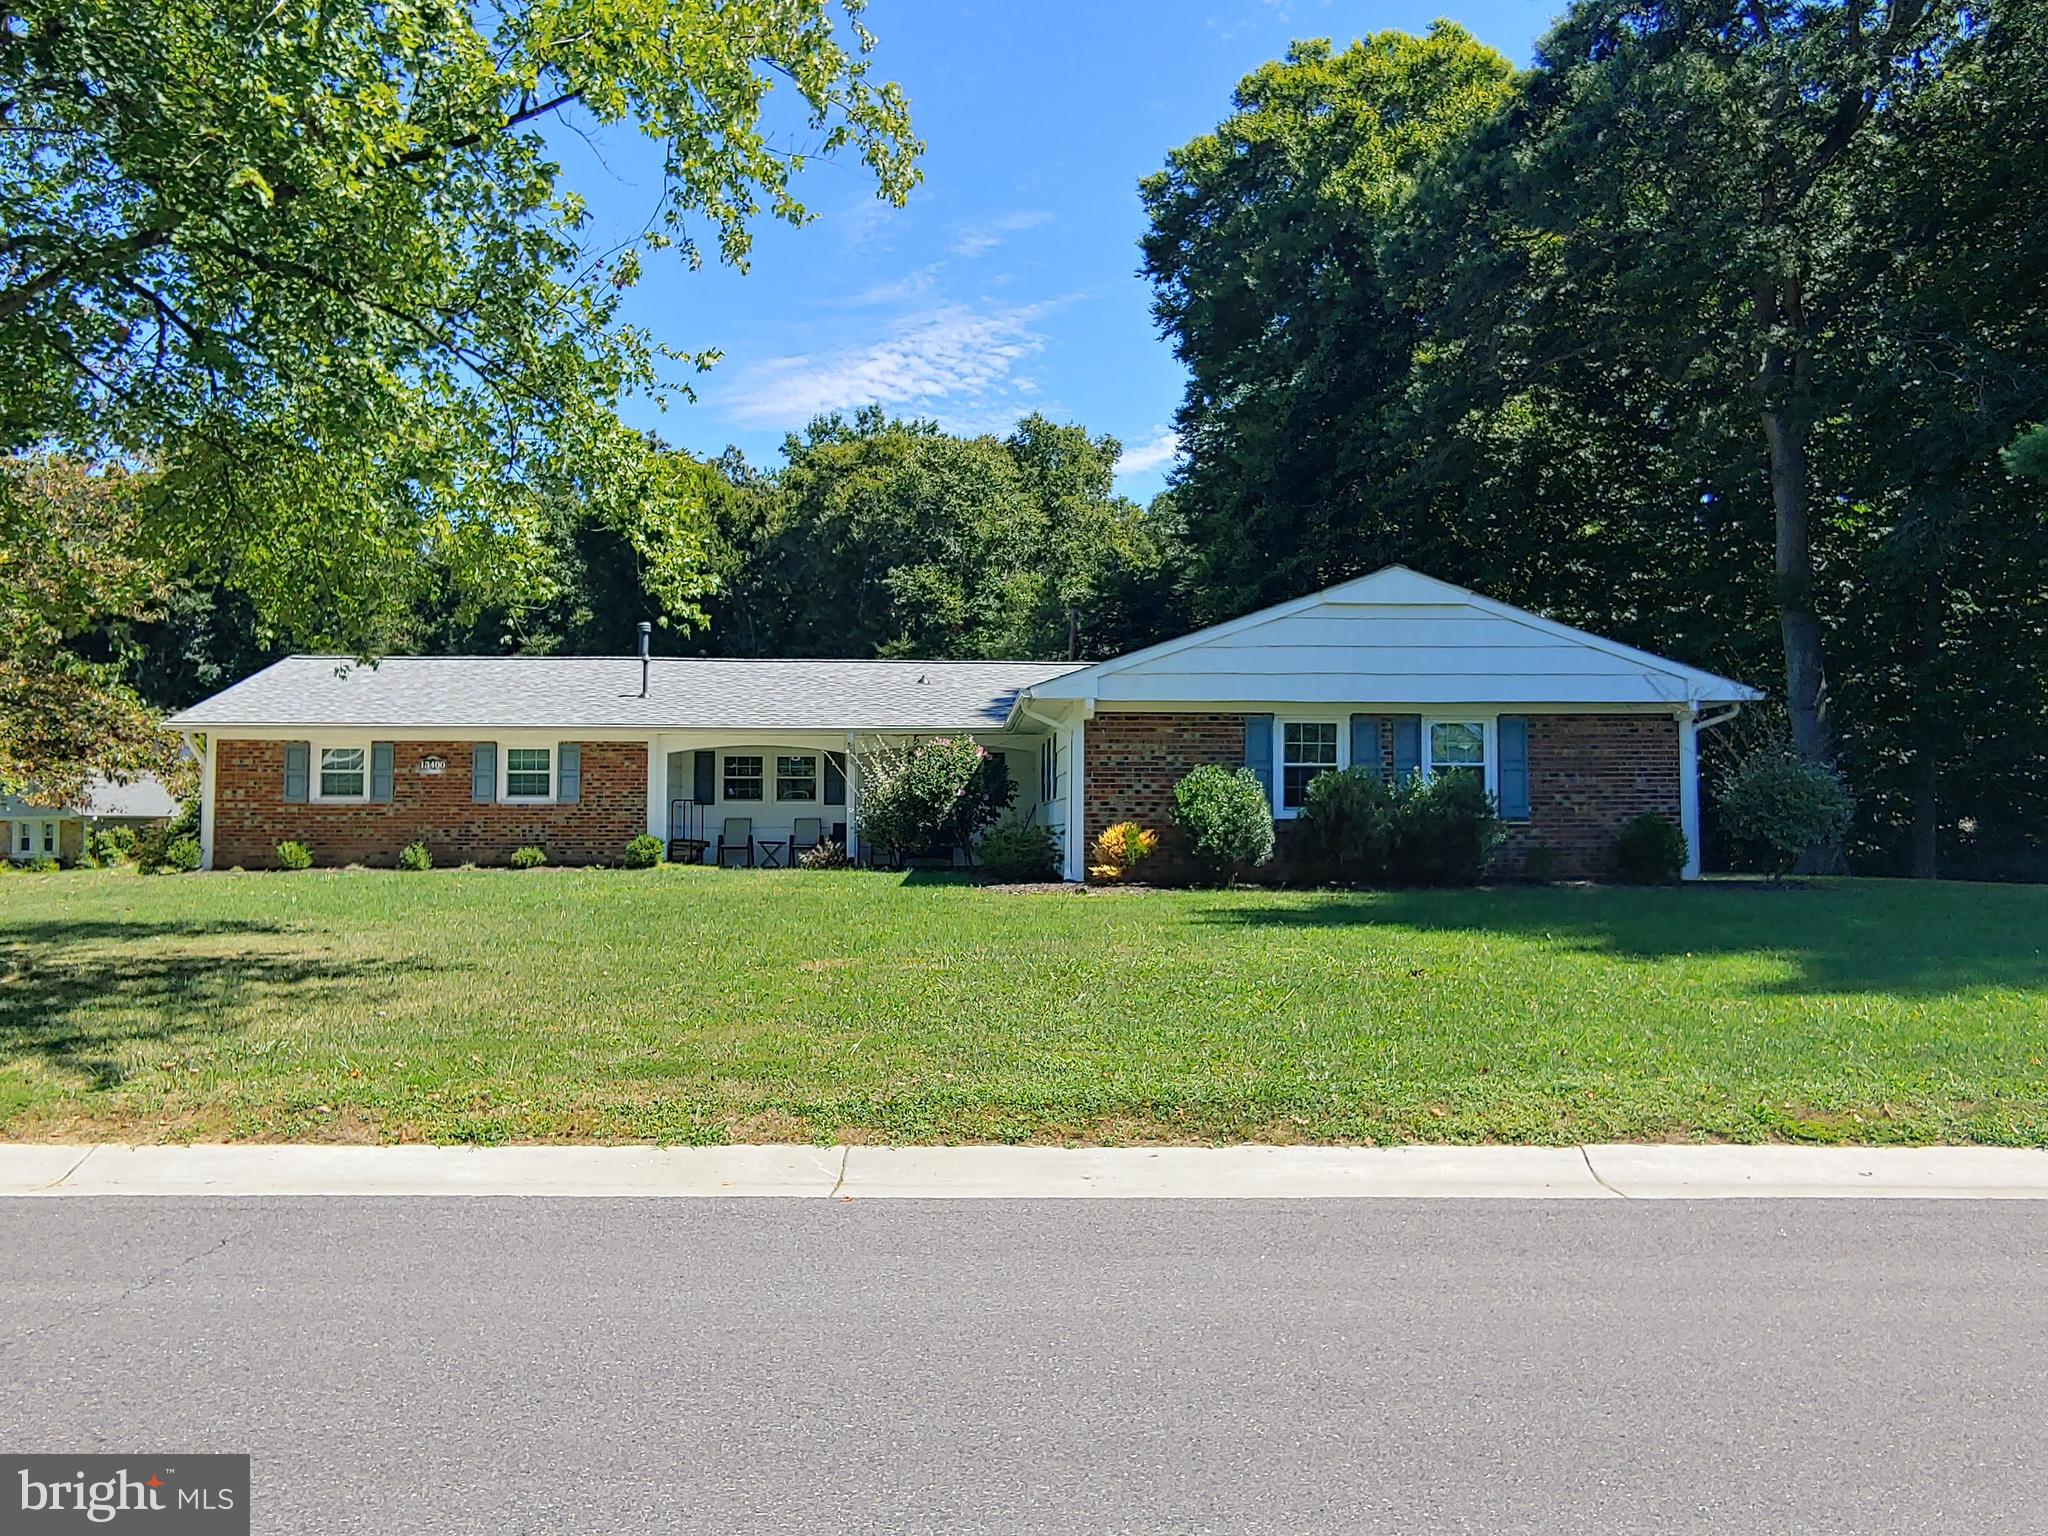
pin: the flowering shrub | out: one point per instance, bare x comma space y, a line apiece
825, 855
935, 797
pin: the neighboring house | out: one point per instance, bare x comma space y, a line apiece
479, 755
59, 832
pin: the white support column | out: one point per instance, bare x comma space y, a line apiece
1077, 792
657, 790
1689, 792
205, 801
852, 796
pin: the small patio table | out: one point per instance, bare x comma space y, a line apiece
771, 851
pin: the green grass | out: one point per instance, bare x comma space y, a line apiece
697, 1005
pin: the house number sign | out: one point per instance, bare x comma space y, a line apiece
432, 767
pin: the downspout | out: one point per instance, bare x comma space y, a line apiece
1689, 729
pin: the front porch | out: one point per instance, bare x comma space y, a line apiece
758, 801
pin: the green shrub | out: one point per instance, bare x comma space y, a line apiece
1019, 851
1227, 818
643, 852
1416, 831
108, 848
1347, 825
1650, 850
152, 847
529, 857
1775, 805
415, 857
181, 857
41, 865
1445, 830
1539, 863
937, 796
294, 855
825, 855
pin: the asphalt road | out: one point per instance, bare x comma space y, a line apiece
792, 1366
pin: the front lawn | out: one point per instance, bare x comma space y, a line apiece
698, 1005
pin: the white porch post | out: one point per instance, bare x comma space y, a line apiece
657, 790
852, 796
205, 799
1077, 791
1689, 793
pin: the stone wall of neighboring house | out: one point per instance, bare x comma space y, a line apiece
252, 816
1588, 775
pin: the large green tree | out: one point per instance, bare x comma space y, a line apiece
316, 264
1264, 254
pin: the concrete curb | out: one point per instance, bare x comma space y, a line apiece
1152, 1173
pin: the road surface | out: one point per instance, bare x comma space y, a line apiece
739, 1366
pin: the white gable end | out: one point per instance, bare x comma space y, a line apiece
1394, 637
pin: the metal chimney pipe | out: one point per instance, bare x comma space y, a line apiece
646, 637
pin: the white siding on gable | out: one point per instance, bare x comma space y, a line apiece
1394, 638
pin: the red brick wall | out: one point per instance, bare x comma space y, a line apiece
1588, 774
251, 817
1134, 760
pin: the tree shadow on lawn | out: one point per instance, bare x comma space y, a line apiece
1902, 938
75, 995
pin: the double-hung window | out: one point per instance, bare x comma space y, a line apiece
344, 775
1457, 746
796, 778
1307, 748
743, 778
25, 845
529, 773
49, 837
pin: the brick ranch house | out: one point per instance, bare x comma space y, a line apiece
477, 756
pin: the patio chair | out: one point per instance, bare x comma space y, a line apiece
806, 834
737, 836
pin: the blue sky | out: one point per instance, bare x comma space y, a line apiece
1010, 283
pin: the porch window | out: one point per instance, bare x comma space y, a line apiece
26, 845
1307, 748
796, 778
49, 837
743, 778
529, 773
341, 773
1457, 746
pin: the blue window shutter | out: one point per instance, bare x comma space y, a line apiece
1258, 751
483, 772
1407, 745
1513, 734
296, 755
706, 788
835, 778
1365, 745
568, 773
380, 770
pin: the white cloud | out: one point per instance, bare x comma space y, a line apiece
1155, 452
984, 235
958, 362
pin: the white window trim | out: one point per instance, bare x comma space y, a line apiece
1304, 717
315, 750
774, 780
1489, 734
1488, 722
554, 752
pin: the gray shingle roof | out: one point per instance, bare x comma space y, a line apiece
144, 797
543, 692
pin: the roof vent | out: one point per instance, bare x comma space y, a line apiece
646, 638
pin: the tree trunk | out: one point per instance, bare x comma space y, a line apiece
1780, 385
1926, 787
